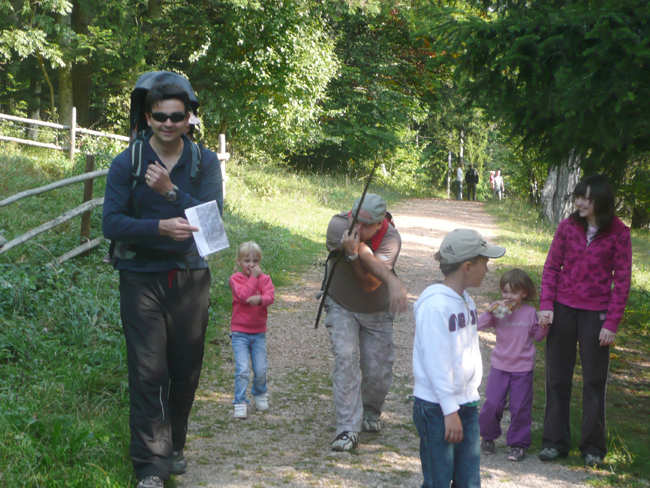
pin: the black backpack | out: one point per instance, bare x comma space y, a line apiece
139, 132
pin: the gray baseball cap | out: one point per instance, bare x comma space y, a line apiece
373, 209
463, 244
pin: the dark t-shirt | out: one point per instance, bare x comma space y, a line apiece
345, 288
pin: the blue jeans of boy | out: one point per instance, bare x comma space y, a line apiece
443, 462
249, 348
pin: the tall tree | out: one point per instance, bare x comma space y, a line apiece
568, 77
29, 30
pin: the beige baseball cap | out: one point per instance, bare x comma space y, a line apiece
463, 244
373, 209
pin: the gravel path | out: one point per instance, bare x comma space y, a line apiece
289, 445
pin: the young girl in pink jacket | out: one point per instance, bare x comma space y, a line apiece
585, 285
513, 361
252, 293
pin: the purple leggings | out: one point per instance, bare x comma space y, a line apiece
520, 387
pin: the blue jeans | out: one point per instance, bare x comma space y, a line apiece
443, 462
249, 348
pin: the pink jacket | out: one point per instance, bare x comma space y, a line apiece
250, 318
581, 276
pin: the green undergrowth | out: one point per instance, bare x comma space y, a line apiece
64, 391
527, 239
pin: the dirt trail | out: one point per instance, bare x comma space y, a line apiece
289, 445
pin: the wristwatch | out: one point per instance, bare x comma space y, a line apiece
171, 195
349, 259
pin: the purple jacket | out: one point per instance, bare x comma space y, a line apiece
514, 350
581, 276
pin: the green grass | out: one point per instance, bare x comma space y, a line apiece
64, 392
527, 239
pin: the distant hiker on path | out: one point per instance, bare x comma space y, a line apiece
471, 179
590, 252
164, 283
499, 185
459, 182
362, 299
447, 367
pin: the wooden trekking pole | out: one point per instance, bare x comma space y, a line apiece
338, 258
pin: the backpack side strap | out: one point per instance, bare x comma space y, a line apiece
197, 154
136, 161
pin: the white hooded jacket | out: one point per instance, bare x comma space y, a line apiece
447, 366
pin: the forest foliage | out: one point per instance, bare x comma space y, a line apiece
332, 86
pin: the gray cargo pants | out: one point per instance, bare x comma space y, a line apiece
362, 344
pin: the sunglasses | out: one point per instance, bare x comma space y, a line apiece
174, 117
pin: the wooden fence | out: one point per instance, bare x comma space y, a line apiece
72, 129
88, 177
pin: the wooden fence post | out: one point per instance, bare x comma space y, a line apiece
223, 156
73, 133
88, 194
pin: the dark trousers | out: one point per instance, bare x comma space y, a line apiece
519, 386
571, 326
164, 317
471, 191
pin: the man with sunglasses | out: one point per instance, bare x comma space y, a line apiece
164, 283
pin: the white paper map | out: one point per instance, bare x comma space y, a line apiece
211, 236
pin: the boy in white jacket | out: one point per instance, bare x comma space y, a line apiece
447, 365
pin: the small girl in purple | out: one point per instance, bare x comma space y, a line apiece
513, 361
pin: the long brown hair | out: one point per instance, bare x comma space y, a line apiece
601, 193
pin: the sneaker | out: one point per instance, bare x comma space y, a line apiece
593, 460
177, 463
262, 402
550, 454
345, 441
371, 423
241, 411
516, 453
487, 446
150, 482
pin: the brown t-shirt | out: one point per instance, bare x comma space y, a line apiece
345, 288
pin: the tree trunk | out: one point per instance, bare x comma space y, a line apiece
65, 75
81, 71
557, 203
149, 22
32, 130
640, 218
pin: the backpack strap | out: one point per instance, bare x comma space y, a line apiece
136, 160
197, 155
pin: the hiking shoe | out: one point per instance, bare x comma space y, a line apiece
371, 423
241, 411
487, 446
262, 402
550, 454
150, 482
177, 463
593, 461
345, 441
516, 453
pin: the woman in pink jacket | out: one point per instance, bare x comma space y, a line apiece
591, 251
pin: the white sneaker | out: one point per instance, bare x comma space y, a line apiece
262, 402
241, 411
